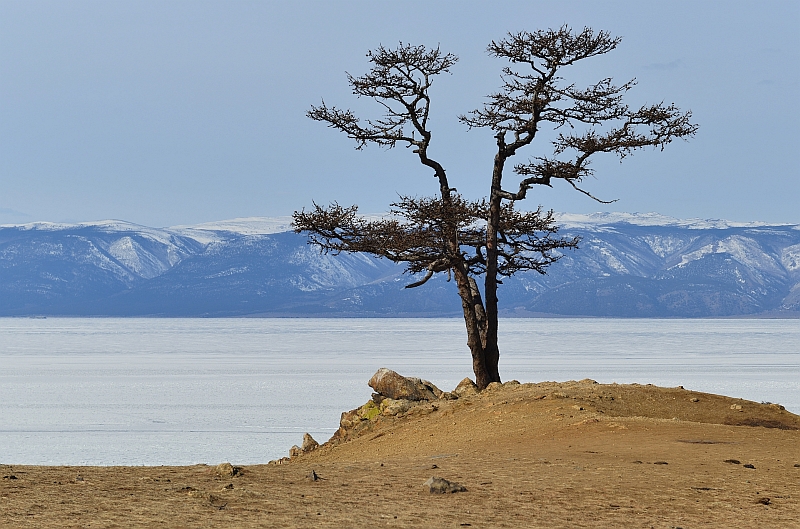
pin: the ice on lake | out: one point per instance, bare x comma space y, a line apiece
183, 391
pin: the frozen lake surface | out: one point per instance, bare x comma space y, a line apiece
183, 391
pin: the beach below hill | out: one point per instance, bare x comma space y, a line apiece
572, 454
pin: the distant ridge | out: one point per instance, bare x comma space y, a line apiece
280, 224
242, 226
577, 220
628, 265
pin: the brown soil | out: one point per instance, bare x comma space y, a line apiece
575, 454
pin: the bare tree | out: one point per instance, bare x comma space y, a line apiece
491, 238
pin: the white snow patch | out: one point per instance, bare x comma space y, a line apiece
327, 271
790, 258
663, 246
141, 262
228, 272
744, 250
610, 260
99, 259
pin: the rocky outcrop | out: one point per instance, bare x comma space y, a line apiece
395, 396
308, 445
395, 386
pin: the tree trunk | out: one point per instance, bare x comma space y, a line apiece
472, 319
492, 351
480, 312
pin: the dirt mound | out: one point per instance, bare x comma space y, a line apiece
574, 454
585, 399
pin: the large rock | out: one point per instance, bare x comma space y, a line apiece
395, 386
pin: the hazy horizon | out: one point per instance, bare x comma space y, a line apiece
563, 218
175, 113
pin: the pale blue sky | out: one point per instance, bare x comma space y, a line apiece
166, 113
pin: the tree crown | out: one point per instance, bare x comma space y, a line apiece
436, 234
527, 99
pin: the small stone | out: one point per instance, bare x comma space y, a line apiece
466, 387
764, 501
442, 486
733, 461
736, 407
777, 406
216, 502
748, 465
229, 486
313, 476
694, 399
226, 470
796, 465
660, 463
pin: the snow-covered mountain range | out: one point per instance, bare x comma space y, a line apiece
628, 265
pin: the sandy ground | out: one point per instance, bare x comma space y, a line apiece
575, 454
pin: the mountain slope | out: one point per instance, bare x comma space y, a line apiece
625, 269
51, 268
628, 265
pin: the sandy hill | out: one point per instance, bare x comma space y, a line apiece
573, 454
